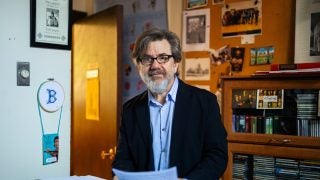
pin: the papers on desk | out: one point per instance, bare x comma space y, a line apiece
167, 174
88, 177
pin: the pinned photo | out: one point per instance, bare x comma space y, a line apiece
50, 144
237, 58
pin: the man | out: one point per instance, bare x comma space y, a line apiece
55, 151
172, 123
52, 20
237, 56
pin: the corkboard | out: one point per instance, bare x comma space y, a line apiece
278, 24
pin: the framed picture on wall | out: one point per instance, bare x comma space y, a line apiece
196, 30
196, 3
50, 25
307, 32
197, 69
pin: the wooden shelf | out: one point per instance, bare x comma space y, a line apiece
277, 145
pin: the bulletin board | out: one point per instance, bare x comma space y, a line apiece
278, 32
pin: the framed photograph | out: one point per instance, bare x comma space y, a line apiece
197, 69
196, 3
307, 32
50, 25
196, 30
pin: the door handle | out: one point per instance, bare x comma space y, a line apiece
111, 153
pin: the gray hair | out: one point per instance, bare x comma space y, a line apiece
156, 34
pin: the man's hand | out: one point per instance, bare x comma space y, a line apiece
115, 178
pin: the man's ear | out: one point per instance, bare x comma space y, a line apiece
177, 68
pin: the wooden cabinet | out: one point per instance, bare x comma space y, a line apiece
272, 115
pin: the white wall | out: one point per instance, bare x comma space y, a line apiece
20, 133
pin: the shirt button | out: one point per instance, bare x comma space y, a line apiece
163, 129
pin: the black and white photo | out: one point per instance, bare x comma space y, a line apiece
196, 30
50, 25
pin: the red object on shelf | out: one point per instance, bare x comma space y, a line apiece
297, 66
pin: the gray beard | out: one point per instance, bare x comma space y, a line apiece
156, 87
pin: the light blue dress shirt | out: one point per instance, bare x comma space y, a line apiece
161, 123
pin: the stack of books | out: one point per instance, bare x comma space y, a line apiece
297, 68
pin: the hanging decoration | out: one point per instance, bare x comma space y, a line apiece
50, 99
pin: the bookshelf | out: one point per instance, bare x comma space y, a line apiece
272, 116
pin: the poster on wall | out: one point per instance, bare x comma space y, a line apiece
196, 30
139, 15
50, 25
237, 58
307, 31
241, 18
197, 69
262, 55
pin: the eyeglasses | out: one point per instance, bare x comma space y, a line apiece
148, 60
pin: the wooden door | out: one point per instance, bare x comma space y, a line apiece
96, 47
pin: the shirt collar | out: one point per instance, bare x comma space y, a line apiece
171, 96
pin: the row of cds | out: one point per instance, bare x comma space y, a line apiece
307, 112
267, 167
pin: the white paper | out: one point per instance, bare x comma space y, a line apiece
167, 174
88, 177
248, 39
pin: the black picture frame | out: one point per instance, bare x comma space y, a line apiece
50, 24
191, 4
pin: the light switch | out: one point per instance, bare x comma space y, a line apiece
23, 74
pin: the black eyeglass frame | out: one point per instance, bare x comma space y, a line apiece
148, 60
